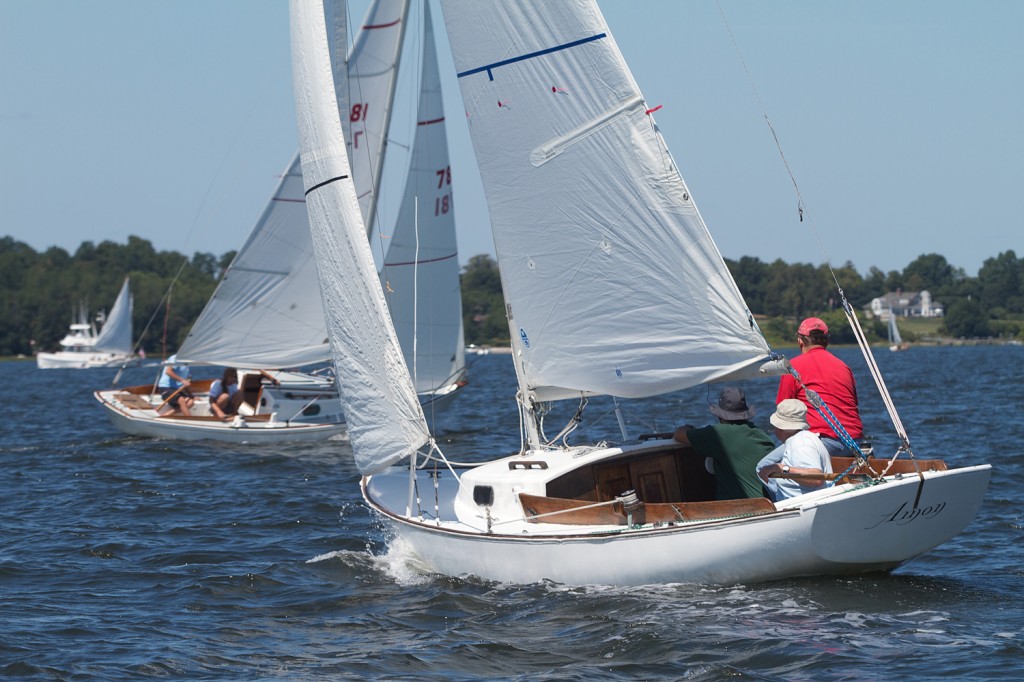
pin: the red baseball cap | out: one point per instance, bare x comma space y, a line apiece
810, 324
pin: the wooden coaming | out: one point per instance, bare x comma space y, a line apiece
900, 466
576, 512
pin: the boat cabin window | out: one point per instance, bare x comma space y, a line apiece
483, 495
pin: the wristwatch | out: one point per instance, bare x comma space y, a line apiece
785, 468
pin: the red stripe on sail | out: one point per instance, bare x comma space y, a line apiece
370, 27
422, 262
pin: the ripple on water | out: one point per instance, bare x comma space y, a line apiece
125, 558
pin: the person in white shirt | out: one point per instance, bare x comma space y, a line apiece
801, 460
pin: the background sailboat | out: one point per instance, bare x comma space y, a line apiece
895, 340
419, 267
83, 348
613, 285
266, 313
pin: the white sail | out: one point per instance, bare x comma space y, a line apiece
372, 73
894, 331
261, 314
116, 334
420, 274
264, 312
385, 420
613, 283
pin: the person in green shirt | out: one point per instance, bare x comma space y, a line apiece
734, 446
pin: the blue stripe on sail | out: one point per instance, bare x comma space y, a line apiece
488, 68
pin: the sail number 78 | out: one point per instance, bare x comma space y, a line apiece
443, 204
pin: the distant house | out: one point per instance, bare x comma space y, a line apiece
904, 304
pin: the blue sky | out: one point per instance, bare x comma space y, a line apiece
901, 122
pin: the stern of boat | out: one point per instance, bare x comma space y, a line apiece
896, 520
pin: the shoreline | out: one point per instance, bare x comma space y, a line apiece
473, 349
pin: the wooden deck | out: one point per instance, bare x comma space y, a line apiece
574, 512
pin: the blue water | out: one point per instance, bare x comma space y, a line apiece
125, 558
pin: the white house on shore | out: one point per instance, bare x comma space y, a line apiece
904, 304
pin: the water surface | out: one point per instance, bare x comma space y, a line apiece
125, 558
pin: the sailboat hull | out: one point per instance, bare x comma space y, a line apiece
136, 420
846, 529
302, 407
242, 431
84, 360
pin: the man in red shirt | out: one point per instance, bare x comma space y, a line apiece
830, 378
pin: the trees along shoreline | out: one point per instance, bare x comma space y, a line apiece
40, 291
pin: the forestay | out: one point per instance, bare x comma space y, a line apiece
116, 334
385, 420
264, 312
613, 281
420, 275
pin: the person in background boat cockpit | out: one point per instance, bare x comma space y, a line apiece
734, 446
224, 394
802, 454
830, 378
174, 388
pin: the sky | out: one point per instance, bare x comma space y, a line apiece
172, 120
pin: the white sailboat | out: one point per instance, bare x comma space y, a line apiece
895, 340
267, 313
264, 313
84, 348
613, 286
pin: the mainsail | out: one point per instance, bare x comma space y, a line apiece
264, 312
385, 420
613, 283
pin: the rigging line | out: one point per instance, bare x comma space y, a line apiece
876, 374
167, 298
415, 290
801, 206
220, 167
434, 447
188, 237
847, 309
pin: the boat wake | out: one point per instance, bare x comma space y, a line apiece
399, 564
